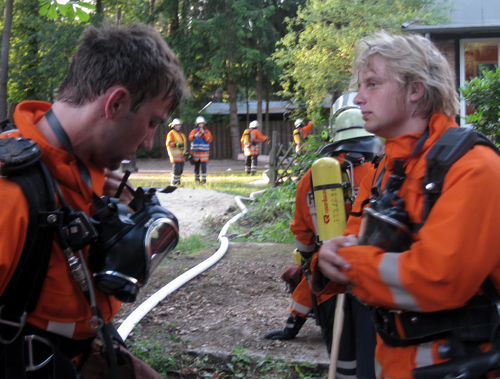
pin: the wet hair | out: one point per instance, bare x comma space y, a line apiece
134, 56
411, 59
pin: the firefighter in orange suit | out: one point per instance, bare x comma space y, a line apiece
200, 138
250, 145
81, 135
176, 146
300, 133
358, 340
435, 279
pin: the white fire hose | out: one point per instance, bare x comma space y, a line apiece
143, 309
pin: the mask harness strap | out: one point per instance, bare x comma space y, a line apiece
77, 264
398, 175
62, 136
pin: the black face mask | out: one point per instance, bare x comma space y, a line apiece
385, 224
130, 246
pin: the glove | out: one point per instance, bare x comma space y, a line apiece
269, 141
253, 143
179, 144
293, 325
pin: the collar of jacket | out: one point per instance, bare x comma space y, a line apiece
402, 147
61, 163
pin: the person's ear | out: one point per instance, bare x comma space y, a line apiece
117, 103
417, 91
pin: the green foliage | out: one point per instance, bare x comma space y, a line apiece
72, 10
483, 93
154, 153
163, 353
317, 52
193, 243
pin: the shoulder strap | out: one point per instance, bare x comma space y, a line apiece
449, 148
23, 290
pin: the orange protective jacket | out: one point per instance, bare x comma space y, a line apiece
256, 137
453, 253
62, 307
304, 226
203, 153
299, 136
176, 154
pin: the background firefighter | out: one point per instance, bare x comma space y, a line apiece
407, 95
300, 133
176, 146
250, 145
200, 138
351, 143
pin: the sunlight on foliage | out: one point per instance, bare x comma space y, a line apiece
72, 10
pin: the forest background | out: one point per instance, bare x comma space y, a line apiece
230, 50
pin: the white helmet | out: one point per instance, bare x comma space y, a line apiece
298, 123
200, 119
254, 124
174, 122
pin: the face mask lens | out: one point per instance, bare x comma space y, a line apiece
162, 236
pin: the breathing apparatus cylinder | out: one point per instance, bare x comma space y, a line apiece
297, 139
246, 137
328, 197
297, 257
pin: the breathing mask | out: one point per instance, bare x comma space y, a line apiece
385, 224
130, 246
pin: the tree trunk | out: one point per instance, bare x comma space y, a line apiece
4, 57
259, 93
233, 119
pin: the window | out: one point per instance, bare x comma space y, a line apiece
476, 55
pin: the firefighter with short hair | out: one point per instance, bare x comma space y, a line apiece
176, 146
250, 145
200, 138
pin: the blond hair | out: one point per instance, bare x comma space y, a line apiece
409, 59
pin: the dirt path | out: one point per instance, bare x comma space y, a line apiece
233, 303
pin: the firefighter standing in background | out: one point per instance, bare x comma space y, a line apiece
176, 146
250, 144
200, 138
300, 134
353, 146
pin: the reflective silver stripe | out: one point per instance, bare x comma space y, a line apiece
342, 376
347, 365
378, 370
424, 355
300, 308
65, 329
389, 271
305, 248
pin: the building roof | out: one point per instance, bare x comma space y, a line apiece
276, 107
465, 16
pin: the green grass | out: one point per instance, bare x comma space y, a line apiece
193, 243
232, 182
163, 353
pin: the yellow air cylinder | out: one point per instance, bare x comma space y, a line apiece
246, 136
297, 137
328, 197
